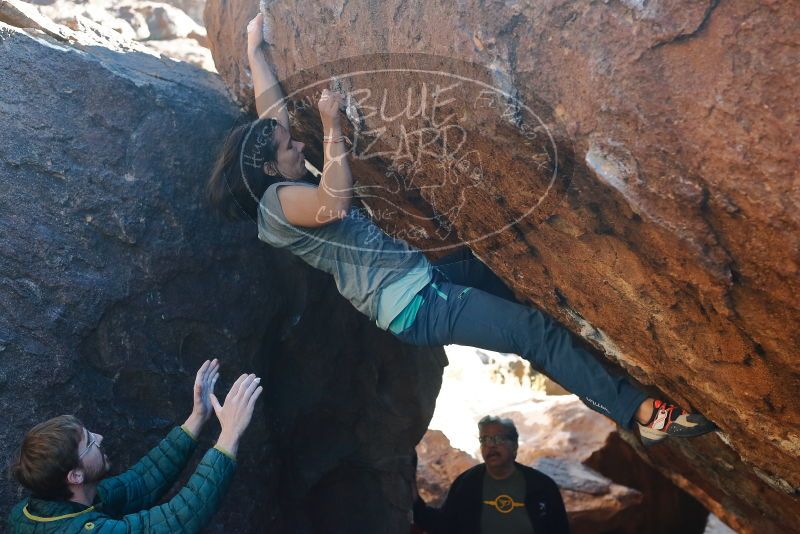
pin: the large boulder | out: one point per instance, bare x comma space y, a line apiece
593, 502
439, 464
116, 282
160, 27
636, 178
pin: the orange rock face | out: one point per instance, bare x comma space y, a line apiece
636, 178
439, 465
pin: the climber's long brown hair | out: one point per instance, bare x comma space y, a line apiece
238, 178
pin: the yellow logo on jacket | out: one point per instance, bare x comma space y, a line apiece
504, 504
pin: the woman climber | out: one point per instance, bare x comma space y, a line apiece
261, 173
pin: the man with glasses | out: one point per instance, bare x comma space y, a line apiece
499, 495
64, 466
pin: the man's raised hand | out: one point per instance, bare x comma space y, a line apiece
204, 382
235, 415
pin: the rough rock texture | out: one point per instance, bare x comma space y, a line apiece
438, 466
159, 26
185, 50
593, 502
662, 510
558, 427
669, 235
116, 283
166, 22
193, 8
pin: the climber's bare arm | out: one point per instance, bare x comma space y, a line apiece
269, 96
317, 206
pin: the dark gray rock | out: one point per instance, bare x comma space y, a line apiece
116, 283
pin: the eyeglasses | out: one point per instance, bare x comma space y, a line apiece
89, 445
494, 440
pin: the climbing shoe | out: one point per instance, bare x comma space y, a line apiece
670, 420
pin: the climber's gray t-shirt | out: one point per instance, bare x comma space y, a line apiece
361, 257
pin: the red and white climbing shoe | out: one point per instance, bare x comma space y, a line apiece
670, 420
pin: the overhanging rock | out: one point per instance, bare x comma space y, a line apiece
670, 236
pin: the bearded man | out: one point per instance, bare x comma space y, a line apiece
63, 465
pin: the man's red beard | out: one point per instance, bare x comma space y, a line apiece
100, 474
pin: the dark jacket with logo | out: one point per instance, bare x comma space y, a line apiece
126, 503
461, 512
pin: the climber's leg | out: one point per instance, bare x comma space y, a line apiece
453, 313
